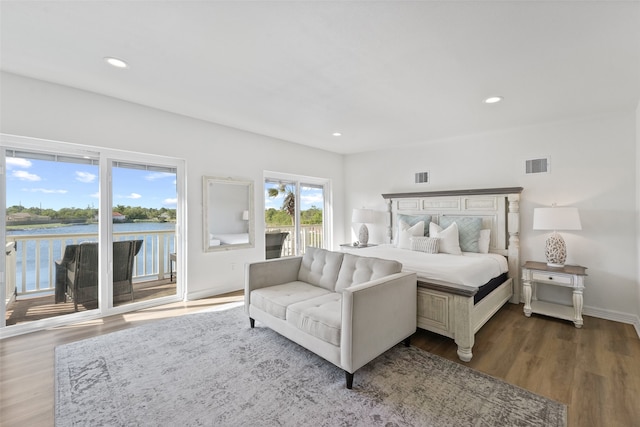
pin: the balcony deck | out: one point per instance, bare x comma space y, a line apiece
27, 309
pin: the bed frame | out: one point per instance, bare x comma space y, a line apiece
448, 309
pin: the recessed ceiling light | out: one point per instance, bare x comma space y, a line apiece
336, 134
118, 63
493, 99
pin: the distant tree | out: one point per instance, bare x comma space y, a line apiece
313, 215
289, 202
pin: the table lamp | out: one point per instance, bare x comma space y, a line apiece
556, 218
364, 217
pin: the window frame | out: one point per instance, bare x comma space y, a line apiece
298, 180
105, 157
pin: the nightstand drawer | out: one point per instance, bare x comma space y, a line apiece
559, 279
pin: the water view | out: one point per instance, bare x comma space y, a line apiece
38, 249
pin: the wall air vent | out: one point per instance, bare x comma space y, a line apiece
422, 177
540, 165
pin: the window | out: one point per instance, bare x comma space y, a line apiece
299, 206
65, 204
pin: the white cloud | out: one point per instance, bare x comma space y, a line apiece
133, 196
170, 201
95, 195
85, 176
17, 162
25, 176
312, 199
46, 191
159, 175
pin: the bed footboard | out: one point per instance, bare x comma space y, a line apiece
454, 315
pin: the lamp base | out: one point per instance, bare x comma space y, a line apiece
555, 250
363, 235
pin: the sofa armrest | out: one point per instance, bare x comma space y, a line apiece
377, 315
273, 272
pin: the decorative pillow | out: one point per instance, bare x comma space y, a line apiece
448, 238
406, 232
414, 219
468, 230
484, 240
429, 245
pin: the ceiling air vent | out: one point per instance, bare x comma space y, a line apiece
540, 165
422, 177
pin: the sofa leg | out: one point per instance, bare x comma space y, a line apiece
407, 342
349, 377
252, 322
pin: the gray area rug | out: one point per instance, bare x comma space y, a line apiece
211, 369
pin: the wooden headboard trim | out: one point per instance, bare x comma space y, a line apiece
480, 191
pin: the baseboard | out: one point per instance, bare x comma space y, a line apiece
616, 316
192, 296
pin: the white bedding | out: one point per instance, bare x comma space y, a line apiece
468, 269
230, 239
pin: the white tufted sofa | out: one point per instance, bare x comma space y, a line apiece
345, 308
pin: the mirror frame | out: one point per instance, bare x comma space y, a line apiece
208, 202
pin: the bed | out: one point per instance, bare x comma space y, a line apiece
228, 239
456, 296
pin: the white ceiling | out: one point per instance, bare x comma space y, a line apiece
384, 73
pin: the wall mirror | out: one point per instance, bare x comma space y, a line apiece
228, 214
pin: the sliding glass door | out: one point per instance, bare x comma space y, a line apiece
87, 231
51, 225
143, 231
298, 208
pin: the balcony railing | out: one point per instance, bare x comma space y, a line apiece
310, 235
30, 259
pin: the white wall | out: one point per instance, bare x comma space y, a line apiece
42, 110
637, 322
593, 164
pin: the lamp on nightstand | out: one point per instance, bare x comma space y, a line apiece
364, 217
556, 218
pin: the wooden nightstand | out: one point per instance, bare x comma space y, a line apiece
569, 276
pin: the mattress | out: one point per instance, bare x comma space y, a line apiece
469, 269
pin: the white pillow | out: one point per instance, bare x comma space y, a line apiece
425, 244
405, 233
483, 241
449, 243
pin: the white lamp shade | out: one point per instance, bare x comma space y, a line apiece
556, 219
363, 216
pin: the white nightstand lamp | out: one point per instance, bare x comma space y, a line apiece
556, 218
364, 217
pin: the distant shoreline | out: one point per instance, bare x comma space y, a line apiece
37, 226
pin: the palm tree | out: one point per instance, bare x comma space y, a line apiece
289, 202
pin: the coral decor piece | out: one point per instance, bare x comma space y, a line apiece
555, 250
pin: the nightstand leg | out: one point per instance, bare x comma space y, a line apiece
577, 308
526, 290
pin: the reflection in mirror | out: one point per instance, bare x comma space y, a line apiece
228, 214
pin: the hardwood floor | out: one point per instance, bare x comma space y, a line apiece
29, 309
595, 370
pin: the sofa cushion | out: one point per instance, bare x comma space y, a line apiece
356, 269
275, 299
320, 267
320, 317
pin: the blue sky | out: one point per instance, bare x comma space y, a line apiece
56, 185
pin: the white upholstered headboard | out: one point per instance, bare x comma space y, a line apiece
499, 209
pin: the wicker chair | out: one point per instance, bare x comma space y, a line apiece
77, 272
273, 244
